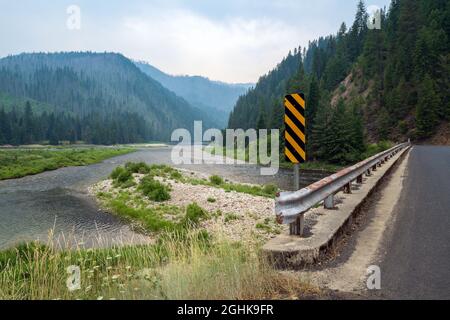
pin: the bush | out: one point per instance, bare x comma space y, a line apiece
212, 200
154, 190
116, 172
230, 217
139, 167
175, 175
194, 214
270, 189
216, 180
122, 178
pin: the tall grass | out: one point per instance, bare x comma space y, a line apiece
177, 266
19, 163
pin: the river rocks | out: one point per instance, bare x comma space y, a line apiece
232, 215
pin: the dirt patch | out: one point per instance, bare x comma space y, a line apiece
441, 137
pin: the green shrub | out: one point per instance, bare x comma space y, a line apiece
212, 200
139, 167
127, 184
116, 172
175, 175
154, 190
194, 214
270, 189
230, 217
216, 180
122, 178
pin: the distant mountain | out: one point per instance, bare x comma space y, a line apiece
215, 97
105, 88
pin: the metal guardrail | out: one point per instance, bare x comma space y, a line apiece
291, 206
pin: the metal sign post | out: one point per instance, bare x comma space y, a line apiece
297, 227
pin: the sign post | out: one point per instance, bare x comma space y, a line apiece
295, 144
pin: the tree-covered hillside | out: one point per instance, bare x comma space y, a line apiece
216, 98
94, 97
363, 85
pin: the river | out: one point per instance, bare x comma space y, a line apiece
57, 201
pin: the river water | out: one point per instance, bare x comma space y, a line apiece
55, 204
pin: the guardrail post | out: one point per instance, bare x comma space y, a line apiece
348, 188
359, 179
374, 168
296, 228
328, 203
368, 174
379, 164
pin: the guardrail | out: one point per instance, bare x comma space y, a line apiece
291, 206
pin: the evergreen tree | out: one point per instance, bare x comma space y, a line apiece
312, 104
28, 124
426, 112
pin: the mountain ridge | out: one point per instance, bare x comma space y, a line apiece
212, 96
87, 83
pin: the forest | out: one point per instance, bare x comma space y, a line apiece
363, 85
22, 126
100, 98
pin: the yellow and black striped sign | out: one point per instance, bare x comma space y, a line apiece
295, 123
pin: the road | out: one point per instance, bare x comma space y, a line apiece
416, 264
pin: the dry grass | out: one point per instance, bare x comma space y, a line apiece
179, 266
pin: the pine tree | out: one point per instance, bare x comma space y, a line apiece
357, 128
312, 104
358, 31
340, 149
426, 111
28, 124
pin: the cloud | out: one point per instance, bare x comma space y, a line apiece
232, 49
234, 40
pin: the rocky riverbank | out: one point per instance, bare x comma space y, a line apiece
233, 211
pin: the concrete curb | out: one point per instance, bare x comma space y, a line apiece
289, 251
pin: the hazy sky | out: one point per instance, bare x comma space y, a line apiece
229, 40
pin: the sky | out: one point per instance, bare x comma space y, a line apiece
230, 40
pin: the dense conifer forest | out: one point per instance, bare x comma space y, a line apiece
100, 98
363, 85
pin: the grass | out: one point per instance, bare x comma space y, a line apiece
168, 172
375, 148
160, 218
269, 226
242, 154
194, 214
154, 190
190, 266
184, 261
313, 165
19, 163
231, 217
163, 218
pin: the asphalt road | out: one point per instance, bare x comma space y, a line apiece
417, 260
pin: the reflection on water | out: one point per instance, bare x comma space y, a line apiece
32, 206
